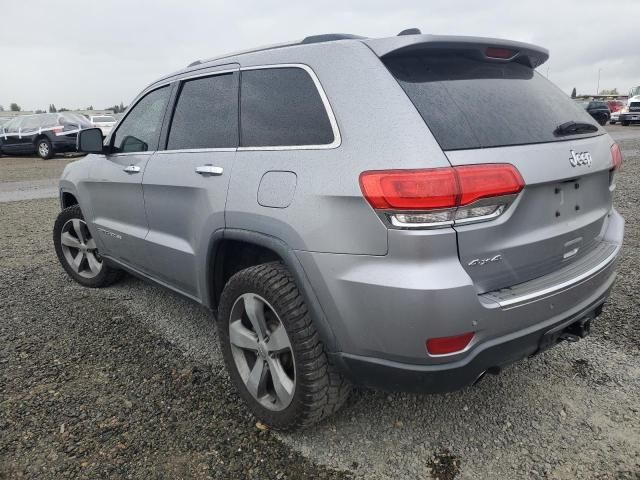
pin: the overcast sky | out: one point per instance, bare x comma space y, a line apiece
76, 53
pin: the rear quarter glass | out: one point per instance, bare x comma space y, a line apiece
471, 103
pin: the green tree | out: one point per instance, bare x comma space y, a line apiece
613, 91
40, 111
573, 93
14, 107
63, 109
52, 108
1, 108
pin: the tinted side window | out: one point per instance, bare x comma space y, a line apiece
140, 130
206, 115
282, 107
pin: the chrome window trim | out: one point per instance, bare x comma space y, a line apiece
197, 150
592, 272
337, 139
128, 154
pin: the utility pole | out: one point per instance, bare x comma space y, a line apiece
598, 87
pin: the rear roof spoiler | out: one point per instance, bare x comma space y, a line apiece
525, 53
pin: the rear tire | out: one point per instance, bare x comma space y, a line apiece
44, 148
315, 388
77, 251
624, 124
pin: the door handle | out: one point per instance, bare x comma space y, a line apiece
132, 169
209, 170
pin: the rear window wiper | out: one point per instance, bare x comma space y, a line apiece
574, 128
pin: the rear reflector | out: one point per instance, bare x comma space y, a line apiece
447, 345
438, 188
616, 156
496, 52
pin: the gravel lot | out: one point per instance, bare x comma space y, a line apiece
128, 382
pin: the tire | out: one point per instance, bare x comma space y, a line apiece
317, 389
624, 124
91, 270
612, 122
602, 120
44, 149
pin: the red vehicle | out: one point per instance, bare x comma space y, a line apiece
615, 105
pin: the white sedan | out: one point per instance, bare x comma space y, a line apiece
103, 122
615, 116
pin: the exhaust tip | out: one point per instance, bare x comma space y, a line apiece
491, 370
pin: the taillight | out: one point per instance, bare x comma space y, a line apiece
616, 156
448, 345
616, 163
441, 196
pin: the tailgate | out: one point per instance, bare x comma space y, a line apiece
558, 218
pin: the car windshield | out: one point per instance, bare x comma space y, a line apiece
67, 118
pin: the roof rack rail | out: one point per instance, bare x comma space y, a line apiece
330, 37
410, 31
193, 64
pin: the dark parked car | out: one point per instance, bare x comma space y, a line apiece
598, 110
45, 134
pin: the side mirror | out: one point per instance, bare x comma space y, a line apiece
90, 141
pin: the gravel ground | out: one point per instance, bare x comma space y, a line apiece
27, 168
128, 381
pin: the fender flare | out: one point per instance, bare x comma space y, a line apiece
290, 260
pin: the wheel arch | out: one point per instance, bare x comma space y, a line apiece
220, 266
67, 199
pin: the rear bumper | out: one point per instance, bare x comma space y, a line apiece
631, 118
382, 309
393, 376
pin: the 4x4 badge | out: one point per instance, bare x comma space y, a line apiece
578, 159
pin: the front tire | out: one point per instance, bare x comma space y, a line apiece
44, 148
78, 253
273, 352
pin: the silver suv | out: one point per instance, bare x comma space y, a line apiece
405, 213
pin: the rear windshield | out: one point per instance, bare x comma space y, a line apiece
634, 105
470, 103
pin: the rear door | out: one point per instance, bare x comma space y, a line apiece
115, 186
484, 111
185, 184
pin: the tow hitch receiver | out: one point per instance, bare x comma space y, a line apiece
571, 333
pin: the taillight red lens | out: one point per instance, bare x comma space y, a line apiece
410, 189
496, 52
616, 156
438, 188
446, 345
481, 181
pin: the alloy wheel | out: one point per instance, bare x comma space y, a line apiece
262, 352
43, 149
79, 248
